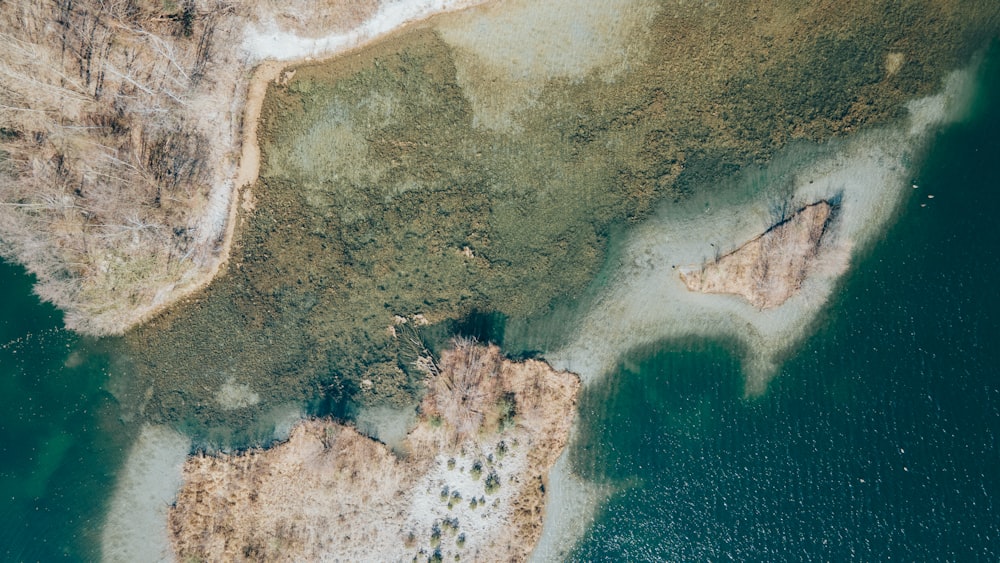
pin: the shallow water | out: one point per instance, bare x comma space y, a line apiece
60, 439
468, 163
878, 438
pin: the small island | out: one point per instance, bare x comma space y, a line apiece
770, 268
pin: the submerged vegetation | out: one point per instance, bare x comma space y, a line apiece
427, 176
474, 164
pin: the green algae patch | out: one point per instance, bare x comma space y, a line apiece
426, 176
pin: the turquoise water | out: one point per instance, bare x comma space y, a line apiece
60, 440
878, 440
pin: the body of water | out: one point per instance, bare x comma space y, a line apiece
878, 440
60, 437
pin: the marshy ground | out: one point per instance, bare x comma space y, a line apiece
426, 175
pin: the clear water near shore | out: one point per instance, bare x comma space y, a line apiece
60, 437
877, 440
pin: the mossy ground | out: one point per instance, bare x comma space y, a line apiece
380, 195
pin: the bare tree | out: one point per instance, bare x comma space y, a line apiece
104, 166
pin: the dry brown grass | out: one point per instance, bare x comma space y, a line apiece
107, 158
769, 269
466, 390
121, 128
330, 493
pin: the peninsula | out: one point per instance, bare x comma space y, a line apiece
470, 480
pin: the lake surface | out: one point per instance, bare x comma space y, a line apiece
878, 440
60, 436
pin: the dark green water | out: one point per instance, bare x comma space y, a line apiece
60, 441
878, 441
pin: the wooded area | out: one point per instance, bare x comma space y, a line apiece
104, 144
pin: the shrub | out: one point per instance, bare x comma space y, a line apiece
492, 483
435, 536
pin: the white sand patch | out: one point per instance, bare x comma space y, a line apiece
232, 395
135, 528
269, 41
447, 493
